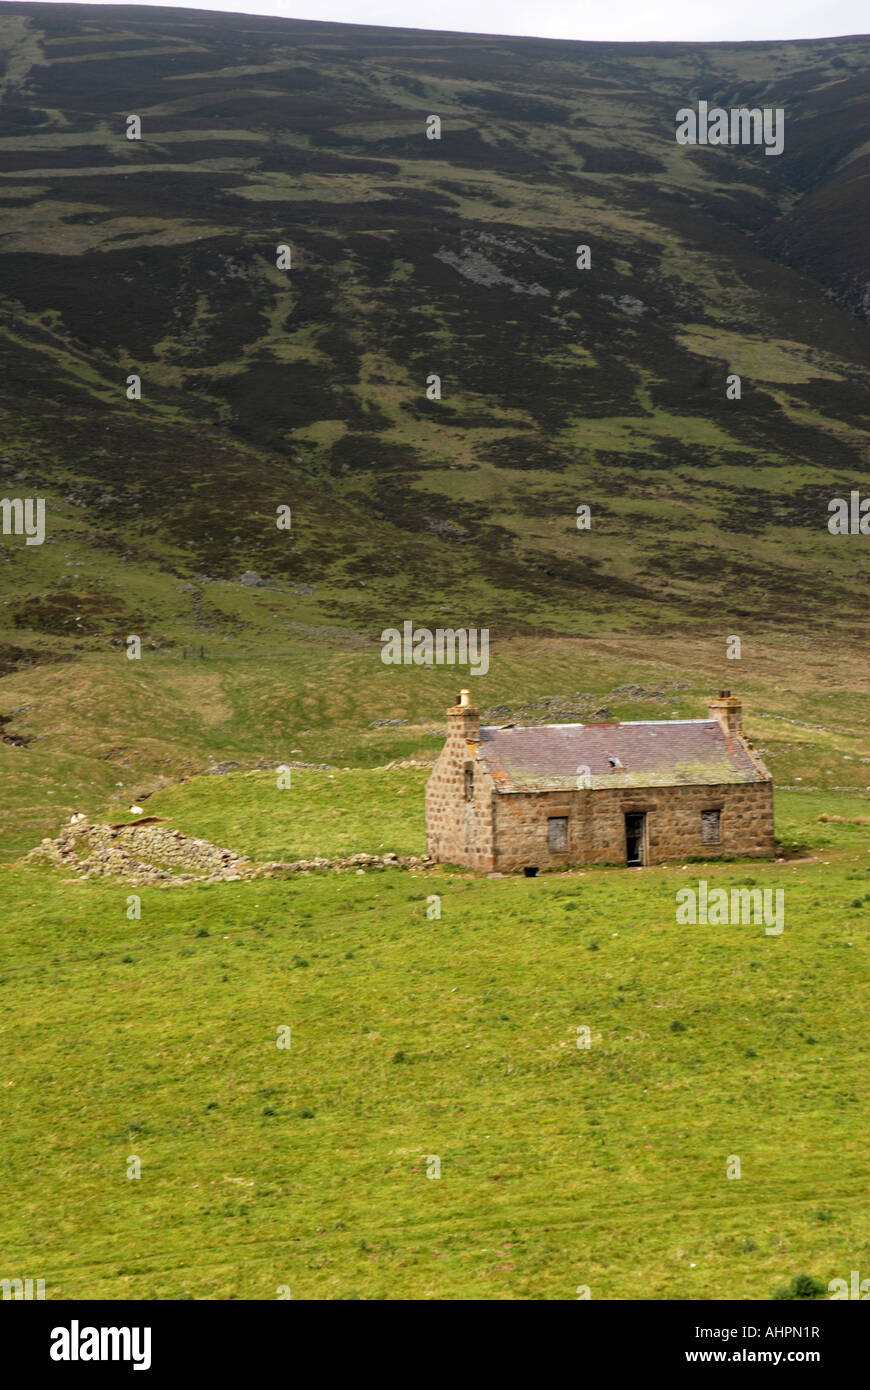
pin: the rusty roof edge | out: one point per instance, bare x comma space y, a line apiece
755, 758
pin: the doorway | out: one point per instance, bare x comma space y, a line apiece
635, 838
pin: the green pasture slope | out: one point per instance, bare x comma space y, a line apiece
414, 1038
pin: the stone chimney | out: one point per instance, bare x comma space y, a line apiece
728, 710
463, 719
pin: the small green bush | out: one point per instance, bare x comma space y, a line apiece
802, 1287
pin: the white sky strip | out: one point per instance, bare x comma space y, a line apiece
621, 21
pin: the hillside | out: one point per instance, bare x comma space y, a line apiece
411, 257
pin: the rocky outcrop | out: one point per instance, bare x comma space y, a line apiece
151, 852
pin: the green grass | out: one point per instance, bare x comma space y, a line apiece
320, 813
414, 1037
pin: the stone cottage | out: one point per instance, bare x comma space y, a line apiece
634, 793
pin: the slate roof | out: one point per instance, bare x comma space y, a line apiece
664, 753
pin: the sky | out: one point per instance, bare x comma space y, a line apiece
611, 20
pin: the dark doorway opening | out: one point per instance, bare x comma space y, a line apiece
635, 838
530, 872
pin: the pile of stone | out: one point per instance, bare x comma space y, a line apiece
153, 853
405, 762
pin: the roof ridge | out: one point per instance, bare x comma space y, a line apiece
600, 724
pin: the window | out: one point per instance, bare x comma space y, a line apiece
557, 833
469, 781
710, 827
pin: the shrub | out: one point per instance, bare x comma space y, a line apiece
802, 1287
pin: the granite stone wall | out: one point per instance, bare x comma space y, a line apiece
458, 829
596, 824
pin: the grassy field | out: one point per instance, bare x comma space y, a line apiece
98, 731
414, 1039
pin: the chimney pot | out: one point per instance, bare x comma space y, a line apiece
463, 719
727, 710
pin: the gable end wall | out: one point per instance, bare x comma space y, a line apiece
459, 831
